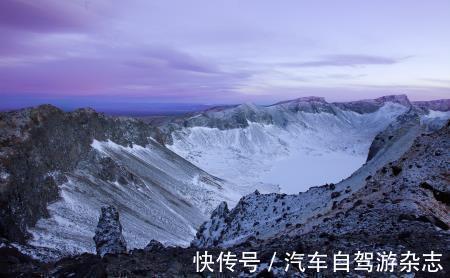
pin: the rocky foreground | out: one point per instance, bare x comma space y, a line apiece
403, 207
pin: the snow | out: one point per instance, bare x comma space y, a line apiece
437, 114
4, 175
434, 119
311, 149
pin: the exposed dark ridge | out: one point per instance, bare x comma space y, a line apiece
371, 105
437, 105
441, 196
301, 99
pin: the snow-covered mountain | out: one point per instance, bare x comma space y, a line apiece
387, 189
401, 207
293, 144
58, 169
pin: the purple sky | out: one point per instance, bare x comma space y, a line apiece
224, 51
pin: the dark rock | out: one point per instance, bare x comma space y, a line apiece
154, 245
441, 196
334, 206
108, 235
396, 170
85, 265
265, 274
335, 194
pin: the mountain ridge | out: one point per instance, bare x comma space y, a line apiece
237, 116
58, 168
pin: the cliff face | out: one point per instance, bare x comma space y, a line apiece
37, 146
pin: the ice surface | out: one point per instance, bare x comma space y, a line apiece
312, 168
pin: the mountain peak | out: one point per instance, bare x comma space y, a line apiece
311, 99
247, 106
400, 99
302, 99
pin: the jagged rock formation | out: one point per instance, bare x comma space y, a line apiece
212, 229
108, 234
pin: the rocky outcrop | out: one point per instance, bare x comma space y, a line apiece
210, 232
408, 122
154, 245
108, 235
372, 105
38, 146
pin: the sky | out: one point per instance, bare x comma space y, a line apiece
125, 53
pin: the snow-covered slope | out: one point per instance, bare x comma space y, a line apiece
294, 144
160, 196
60, 168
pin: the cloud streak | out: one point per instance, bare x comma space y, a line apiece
42, 16
349, 60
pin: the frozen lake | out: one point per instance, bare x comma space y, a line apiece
300, 171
